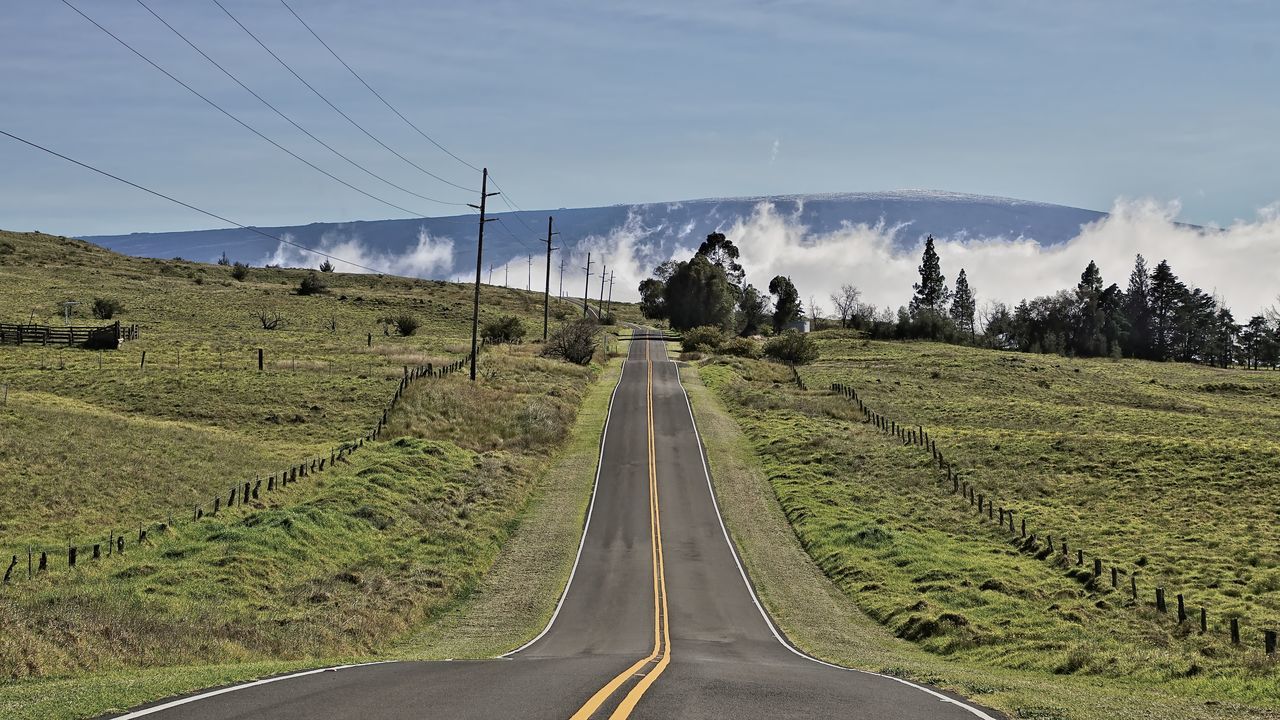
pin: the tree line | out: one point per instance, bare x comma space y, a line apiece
1157, 316
710, 289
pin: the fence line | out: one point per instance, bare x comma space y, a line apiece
986, 508
105, 337
41, 559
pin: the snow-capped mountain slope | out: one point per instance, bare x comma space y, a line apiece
444, 247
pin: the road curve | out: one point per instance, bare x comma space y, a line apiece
658, 620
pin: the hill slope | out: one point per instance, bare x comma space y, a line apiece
443, 247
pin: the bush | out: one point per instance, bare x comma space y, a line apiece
574, 342
224, 261
312, 284
707, 337
740, 347
792, 347
406, 325
506, 329
326, 266
106, 308
239, 271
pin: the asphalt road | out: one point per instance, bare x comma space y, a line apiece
658, 620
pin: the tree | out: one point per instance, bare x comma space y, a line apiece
753, 311
1165, 292
1137, 311
312, 285
326, 266
698, 293
106, 308
652, 304
724, 254
786, 308
224, 260
963, 306
931, 292
845, 302
1087, 338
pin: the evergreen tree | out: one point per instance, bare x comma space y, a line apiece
1137, 311
931, 292
1165, 292
963, 306
786, 308
698, 293
1087, 337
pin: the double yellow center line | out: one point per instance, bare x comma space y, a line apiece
651, 666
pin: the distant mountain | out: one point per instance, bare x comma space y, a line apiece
659, 227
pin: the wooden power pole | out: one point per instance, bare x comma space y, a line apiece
586, 290
546, 294
475, 308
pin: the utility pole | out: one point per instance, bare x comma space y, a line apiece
546, 294
609, 309
528, 284
475, 308
506, 274
586, 290
561, 276
490, 273
603, 275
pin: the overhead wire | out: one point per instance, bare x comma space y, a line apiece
242, 123
376, 94
335, 108
190, 206
287, 119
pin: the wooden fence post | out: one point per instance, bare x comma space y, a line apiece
1204, 619
1160, 606
1133, 586
1182, 610
260, 360
1235, 631
71, 557
142, 365
44, 561
1269, 638
1115, 577
1097, 568
1079, 556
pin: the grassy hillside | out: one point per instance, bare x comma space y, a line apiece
1165, 470
346, 563
90, 440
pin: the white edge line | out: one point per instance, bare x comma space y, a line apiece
222, 691
587, 524
706, 471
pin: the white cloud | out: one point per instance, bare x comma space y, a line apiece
1238, 263
428, 257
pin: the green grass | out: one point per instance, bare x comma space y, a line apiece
825, 620
917, 561
357, 562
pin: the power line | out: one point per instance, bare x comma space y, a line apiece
288, 119
336, 109
376, 94
189, 205
242, 123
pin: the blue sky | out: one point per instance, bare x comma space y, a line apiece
575, 104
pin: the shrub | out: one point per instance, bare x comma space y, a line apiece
609, 319
106, 308
574, 342
239, 271
506, 329
406, 325
740, 347
326, 266
269, 321
223, 260
792, 347
312, 284
707, 337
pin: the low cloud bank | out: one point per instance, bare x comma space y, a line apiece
1240, 263
428, 257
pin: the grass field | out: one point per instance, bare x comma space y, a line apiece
353, 562
1173, 478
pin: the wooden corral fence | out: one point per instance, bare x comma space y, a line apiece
108, 337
